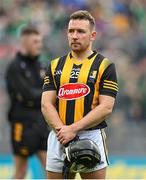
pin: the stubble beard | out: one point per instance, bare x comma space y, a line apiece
79, 49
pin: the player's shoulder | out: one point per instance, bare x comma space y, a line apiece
58, 59
103, 59
53, 61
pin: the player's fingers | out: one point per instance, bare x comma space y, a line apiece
62, 141
57, 129
59, 138
59, 133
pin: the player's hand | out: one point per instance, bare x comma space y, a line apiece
66, 134
57, 129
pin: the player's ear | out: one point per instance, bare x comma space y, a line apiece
93, 35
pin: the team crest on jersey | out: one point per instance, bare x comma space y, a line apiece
93, 74
73, 91
92, 77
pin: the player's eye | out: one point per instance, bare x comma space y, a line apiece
81, 31
71, 30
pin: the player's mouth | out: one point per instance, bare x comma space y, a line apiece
75, 44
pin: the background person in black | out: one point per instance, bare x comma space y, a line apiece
24, 81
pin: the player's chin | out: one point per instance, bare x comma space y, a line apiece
75, 49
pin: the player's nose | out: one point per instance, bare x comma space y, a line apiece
75, 35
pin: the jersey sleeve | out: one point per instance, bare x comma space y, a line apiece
48, 80
108, 83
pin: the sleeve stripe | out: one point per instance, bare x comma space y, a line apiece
46, 83
112, 82
46, 80
111, 85
46, 77
107, 87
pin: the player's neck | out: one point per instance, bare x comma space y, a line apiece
82, 55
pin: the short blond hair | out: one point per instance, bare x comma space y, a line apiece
83, 15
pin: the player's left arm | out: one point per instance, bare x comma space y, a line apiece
107, 94
97, 115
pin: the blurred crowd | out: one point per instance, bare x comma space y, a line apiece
121, 37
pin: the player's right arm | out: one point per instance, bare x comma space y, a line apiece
48, 101
49, 110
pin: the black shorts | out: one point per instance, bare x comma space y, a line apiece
28, 138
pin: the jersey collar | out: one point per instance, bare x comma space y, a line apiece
89, 57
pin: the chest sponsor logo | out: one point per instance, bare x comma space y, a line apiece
73, 91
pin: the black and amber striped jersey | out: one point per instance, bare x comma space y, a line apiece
78, 85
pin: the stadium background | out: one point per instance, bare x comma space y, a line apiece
121, 26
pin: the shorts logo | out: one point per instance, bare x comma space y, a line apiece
73, 91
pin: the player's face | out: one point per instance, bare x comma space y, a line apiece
80, 35
33, 44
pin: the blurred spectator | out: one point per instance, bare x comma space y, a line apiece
24, 76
